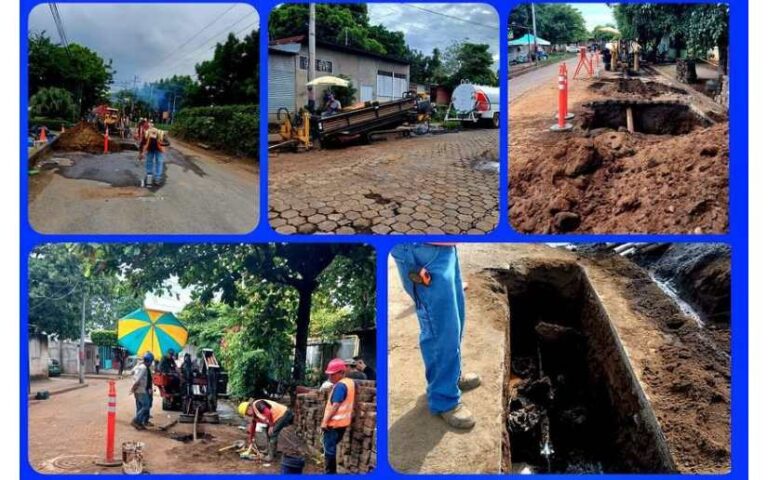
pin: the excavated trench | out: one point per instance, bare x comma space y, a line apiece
657, 118
573, 402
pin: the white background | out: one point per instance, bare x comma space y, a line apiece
758, 215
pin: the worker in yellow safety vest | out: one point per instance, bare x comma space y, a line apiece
338, 411
275, 415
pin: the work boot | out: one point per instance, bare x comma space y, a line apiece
469, 381
137, 425
330, 464
149, 424
459, 417
271, 452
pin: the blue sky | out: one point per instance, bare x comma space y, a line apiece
152, 41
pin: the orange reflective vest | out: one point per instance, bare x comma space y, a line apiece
343, 416
278, 410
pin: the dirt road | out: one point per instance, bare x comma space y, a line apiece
669, 176
536, 78
444, 183
205, 192
67, 433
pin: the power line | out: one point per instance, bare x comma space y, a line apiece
186, 42
59, 26
203, 45
495, 27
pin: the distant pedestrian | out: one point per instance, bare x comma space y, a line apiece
98, 363
370, 373
141, 378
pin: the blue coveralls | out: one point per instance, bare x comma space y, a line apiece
440, 310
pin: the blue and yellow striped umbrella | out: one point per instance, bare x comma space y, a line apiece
151, 330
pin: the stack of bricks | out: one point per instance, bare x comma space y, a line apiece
357, 450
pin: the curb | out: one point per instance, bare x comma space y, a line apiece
51, 393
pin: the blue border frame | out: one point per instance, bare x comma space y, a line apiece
736, 237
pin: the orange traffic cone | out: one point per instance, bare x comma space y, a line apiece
106, 139
43, 135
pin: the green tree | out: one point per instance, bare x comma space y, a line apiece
231, 76
230, 273
602, 36
76, 69
470, 61
557, 23
343, 24
53, 102
695, 27
60, 279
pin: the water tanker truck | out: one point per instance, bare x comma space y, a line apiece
474, 103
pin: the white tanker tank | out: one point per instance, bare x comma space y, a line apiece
472, 103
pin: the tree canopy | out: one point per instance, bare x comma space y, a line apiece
255, 302
557, 23
694, 27
76, 69
469, 61
60, 279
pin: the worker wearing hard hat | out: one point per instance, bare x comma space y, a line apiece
275, 415
431, 276
338, 410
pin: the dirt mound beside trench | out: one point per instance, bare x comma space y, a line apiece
613, 181
633, 86
84, 137
689, 379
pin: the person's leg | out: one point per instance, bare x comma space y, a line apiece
158, 167
330, 440
149, 162
440, 319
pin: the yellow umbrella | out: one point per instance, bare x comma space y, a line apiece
151, 330
329, 80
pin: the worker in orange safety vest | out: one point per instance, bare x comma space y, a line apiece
338, 411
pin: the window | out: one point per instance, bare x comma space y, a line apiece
325, 66
366, 93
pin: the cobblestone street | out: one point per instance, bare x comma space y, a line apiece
434, 184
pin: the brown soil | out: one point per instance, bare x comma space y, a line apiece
84, 137
688, 379
634, 87
610, 181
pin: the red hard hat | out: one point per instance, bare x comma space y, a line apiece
336, 365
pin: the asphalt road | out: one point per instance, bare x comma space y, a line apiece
521, 84
204, 193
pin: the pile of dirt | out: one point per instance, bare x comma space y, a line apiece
612, 181
633, 86
84, 137
689, 378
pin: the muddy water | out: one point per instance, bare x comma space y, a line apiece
121, 169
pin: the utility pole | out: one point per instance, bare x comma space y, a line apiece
535, 36
311, 63
133, 97
81, 355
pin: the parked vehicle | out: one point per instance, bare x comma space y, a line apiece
54, 368
572, 49
473, 103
